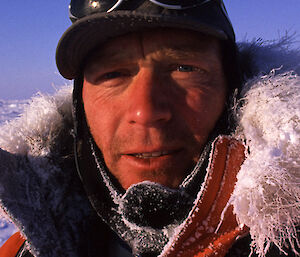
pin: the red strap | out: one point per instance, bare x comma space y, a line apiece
204, 235
12, 246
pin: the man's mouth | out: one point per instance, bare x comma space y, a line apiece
152, 154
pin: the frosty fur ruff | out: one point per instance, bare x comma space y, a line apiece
266, 197
34, 189
267, 193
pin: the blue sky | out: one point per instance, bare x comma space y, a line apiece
31, 29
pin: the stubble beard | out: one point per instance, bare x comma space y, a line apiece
179, 168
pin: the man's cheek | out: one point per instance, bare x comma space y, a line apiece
111, 150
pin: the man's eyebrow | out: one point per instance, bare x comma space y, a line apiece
184, 51
101, 59
108, 55
181, 52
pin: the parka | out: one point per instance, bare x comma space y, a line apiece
248, 202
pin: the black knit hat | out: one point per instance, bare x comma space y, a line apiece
94, 22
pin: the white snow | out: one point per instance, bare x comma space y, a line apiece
6, 230
11, 109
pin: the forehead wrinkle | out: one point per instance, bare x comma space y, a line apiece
138, 51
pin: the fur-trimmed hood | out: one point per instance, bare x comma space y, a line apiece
41, 192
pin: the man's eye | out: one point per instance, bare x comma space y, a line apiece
103, 77
112, 75
186, 68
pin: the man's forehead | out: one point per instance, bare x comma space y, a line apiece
172, 43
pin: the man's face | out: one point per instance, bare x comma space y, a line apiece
151, 100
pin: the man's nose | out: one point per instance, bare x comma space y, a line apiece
148, 100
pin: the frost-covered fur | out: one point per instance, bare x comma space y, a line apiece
34, 187
267, 195
36, 179
42, 121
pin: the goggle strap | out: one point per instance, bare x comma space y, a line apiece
177, 7
115, 6
71, 16
174, 7
167, 6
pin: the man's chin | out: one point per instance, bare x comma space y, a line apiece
168, 174
168, 170
156, 177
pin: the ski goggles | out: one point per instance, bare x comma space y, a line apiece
81, 8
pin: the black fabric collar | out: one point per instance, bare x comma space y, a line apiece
119, 208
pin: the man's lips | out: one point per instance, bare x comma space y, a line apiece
147, 155
152, 153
